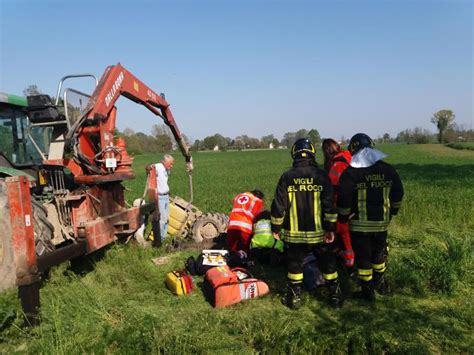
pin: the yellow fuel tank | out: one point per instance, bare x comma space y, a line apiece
177, 218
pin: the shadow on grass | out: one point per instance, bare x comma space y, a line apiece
82, 265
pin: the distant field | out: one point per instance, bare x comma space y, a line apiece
465, 145
121, 304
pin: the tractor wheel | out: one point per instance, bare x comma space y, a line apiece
207, 227
43, 231
220, 217
225, 218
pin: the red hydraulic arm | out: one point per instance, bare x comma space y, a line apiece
91, 139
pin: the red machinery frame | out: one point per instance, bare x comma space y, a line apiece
98, 213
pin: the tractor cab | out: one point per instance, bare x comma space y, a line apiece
33, 129
56, 118
17, 150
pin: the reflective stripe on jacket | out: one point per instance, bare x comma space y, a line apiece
373, 194
302, 209
246, 206
263, 236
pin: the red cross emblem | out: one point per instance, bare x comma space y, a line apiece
243, 199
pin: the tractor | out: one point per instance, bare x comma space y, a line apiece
61, 174
186, 221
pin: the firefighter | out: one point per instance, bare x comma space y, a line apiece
336, 162
245, 207
303, 215
370, 194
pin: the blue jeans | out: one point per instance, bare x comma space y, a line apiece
164, 206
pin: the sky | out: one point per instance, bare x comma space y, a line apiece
258, 67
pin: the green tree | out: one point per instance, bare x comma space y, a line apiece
216, 140
266, 140
302, 133
128, 132
160, 129
314, 136
32, 90
288, 139
245, 142
254, 143
443, 119
198, 145
133, 144
239, 143
163, 143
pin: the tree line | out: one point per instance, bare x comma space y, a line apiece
448, 131
162, 140
246, 142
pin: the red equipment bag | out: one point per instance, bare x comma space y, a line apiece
224, 286
219, 275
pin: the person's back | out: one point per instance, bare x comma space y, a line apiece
373, 193
304, 216
336, 161
370, 194
339, 163
246, 206
163, 170
307, 189
262, 236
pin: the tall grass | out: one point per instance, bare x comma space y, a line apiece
464, 145
116, 301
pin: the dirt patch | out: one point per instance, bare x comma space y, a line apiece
190, 244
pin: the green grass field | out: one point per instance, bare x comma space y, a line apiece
118, 302
464, 145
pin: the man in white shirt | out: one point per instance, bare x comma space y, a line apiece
163, 170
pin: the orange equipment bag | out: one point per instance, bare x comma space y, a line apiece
224, 286
179, 282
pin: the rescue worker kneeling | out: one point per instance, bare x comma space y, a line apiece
263, 247
304, 216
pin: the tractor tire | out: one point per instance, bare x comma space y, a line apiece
220, 217
43, 232
207, 227
225, 218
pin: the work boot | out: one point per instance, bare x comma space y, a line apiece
335, 295
293, 298
380, 284
366, 292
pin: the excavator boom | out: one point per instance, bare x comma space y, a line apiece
117, 81
97, 157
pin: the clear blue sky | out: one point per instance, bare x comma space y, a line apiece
255, 67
